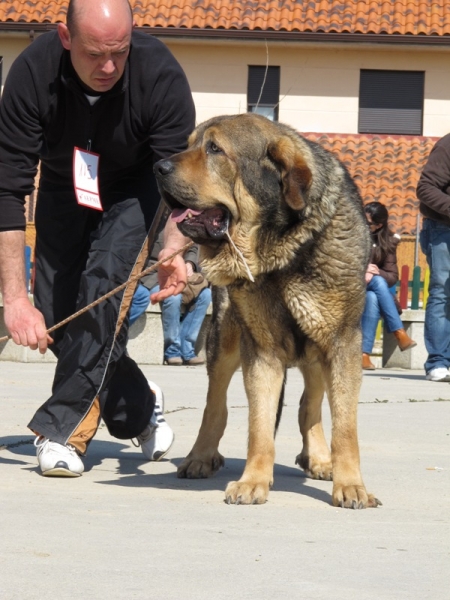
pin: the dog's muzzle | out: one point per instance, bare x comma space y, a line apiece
212, 223
200, 225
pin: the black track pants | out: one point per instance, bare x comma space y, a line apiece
81, 255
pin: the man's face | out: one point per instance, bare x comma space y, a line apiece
98, 55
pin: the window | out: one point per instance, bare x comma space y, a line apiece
263, 91
391, 102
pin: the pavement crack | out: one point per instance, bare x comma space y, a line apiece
168, 412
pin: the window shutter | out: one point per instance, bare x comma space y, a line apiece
391, 102
271, 90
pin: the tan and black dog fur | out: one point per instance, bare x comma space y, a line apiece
295, 214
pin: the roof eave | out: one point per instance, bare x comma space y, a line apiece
300, 36
259, 34
21, 26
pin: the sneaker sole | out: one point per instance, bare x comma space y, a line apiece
159, 455
60, 472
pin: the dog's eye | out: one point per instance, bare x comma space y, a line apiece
214, 148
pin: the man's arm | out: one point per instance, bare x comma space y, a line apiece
24, 322
20, 141
434, 182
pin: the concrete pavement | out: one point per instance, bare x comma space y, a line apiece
128, 529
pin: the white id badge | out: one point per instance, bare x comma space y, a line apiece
85, 178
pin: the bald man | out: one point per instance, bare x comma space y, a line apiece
97, 104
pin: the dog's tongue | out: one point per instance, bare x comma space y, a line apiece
180, 214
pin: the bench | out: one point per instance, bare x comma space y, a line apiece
414, 323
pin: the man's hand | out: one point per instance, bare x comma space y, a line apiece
24, 322
26, 325
172, 276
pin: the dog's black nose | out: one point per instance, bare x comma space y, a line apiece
163, 167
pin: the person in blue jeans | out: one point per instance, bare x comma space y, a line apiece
381, 275
182, 315
433, 192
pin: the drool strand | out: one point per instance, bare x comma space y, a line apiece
250, 276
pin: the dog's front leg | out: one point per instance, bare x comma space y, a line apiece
263, 381
343, 381
223, 358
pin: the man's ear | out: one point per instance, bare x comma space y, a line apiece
64, 36
295, 174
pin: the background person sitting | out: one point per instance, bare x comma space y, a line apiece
182, 315
381, 274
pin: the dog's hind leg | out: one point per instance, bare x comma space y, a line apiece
315, 457
343, 382
223, 358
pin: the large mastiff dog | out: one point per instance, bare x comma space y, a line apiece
284, 241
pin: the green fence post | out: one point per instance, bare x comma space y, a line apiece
415, 288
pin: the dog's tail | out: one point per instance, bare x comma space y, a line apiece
280, 404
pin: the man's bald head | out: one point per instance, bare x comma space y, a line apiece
98, 37
85, 11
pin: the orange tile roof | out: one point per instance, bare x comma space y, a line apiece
398, 17
385, 169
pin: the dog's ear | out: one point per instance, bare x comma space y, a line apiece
295, 174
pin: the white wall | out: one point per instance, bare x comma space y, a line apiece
319, 85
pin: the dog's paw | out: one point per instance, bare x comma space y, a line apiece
245, 492
315, 468
353, 496
196, 467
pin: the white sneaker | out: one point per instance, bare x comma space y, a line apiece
57, 460
157, 438
439, 374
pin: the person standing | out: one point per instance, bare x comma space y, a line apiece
433, 192
98, 104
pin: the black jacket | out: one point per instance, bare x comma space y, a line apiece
44, 113
433, 189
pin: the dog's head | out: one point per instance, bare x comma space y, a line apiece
241, 177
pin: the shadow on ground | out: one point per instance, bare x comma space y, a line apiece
130, 473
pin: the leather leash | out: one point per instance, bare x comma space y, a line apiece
114, 291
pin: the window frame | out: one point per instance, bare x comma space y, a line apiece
263, 90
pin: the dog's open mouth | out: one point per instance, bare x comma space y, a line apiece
202, 225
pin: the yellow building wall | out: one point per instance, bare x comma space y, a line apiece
319, 86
